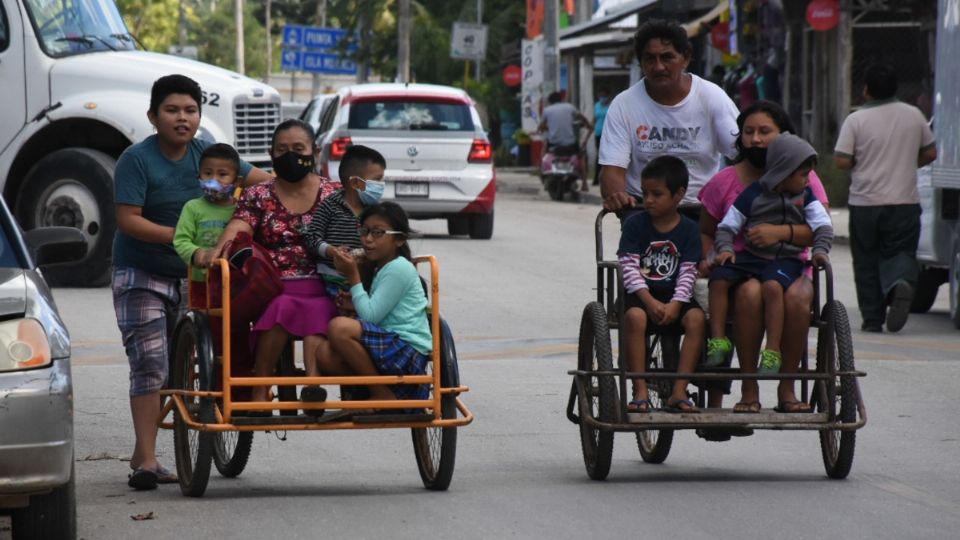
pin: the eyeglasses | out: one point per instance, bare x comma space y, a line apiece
375, 233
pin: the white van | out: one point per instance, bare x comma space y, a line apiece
75, 95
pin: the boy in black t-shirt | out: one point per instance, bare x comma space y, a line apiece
659, 251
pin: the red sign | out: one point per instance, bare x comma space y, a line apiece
720, 36
512, 75
823, 14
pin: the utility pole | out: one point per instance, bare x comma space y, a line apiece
403, 42
551, 50
364, 50
269, 43
238, 18
182, 38
322, 20
476, 73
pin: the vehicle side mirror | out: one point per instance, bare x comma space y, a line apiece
52, 245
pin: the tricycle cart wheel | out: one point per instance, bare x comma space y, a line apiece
436, 448
835, 352
231, 450
594, 354
192, 368
654, 444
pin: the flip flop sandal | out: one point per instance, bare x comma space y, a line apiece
749, 407
166, 476
674, 407
793, 407
142, 479
639, 406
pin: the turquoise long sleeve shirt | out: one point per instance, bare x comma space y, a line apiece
396, 302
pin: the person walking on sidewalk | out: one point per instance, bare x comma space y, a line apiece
883, 144
670, 112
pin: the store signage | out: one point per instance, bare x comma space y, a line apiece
823, 15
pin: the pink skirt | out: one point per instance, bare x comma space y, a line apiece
302, 309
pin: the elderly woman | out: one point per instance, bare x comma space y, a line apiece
276, 213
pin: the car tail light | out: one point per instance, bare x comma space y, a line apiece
480, 152
23, 344
339, 147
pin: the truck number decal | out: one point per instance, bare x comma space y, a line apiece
212, 99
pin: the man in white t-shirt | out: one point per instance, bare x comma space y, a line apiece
669, 111
882, 144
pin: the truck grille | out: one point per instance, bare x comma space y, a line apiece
254, 124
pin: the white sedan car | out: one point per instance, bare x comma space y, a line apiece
439, 161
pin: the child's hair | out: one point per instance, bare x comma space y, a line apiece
393, 214
807, 165
294, 123
356, 158
222, 151
670, 169
174, 84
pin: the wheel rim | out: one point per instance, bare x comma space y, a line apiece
68, 203
655, 391
226, 445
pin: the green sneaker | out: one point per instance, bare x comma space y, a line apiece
769, 362
718, 349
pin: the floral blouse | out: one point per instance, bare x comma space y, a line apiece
277, 229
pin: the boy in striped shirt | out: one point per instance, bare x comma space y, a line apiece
659, 251
335, 224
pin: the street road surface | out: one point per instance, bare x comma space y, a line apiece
514, 304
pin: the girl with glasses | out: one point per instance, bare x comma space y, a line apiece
391, 335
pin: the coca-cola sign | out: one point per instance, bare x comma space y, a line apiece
823, 14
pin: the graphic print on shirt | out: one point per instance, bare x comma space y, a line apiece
660, 261
654, 138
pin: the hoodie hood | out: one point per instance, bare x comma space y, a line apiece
784, 155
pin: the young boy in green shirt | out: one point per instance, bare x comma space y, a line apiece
203, 219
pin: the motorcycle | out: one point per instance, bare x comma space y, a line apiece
560, 171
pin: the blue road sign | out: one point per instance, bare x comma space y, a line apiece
314, 49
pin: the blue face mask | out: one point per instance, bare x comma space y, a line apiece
214, 191
372, 194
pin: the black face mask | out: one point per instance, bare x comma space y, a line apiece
757, 156
293, 167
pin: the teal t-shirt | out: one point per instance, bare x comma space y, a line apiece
144, 177
396, 303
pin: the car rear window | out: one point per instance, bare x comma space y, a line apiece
410, 115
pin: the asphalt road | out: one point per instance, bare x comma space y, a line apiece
514, 303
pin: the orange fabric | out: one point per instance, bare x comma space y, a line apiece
534, 18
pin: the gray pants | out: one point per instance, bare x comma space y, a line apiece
883, 242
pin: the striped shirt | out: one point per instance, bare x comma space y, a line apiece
334, 224
663, 262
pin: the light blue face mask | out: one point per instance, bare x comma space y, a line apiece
372, 194
214, 191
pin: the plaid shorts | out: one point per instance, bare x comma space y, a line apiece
393, 356
148, 307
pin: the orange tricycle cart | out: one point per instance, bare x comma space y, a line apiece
211, 377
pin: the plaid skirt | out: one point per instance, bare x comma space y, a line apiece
393, 356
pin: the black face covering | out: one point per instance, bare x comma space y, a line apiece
757, 156
293, 167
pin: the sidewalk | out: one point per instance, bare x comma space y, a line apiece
526, 180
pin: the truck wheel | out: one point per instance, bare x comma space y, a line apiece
73, 187
927, 286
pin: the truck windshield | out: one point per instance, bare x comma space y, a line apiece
68, 27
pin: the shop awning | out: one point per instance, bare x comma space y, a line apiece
577, 37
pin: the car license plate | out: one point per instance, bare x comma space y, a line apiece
412, 189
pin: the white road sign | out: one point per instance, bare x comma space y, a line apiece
469, 41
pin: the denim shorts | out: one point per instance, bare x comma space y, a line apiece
148, 307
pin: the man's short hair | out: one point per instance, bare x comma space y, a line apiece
174, 84
668, 31
670, 169
881, 81
222, 151
554, 97
356, 158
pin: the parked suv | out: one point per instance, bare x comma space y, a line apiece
37, 494
439, 161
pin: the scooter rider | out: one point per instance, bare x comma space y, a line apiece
562, 122
669, 111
